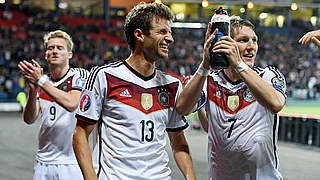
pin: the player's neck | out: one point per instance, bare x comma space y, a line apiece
57, 72
141, 65
232, 74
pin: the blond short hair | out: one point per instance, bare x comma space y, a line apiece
59, 34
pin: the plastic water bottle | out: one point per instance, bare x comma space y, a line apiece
220, 20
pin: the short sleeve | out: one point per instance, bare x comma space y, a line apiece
274, 77
203, 97
92, 96
79, 79
176, 121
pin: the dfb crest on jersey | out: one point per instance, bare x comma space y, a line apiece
247, 96
65, 86
146, 101
164, 98
85, 103
233, 102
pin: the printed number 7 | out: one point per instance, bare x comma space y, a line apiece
231, 128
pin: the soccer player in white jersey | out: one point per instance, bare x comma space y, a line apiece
53, 99
133, 105
241, 105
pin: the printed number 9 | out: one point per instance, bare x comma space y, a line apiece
53, 113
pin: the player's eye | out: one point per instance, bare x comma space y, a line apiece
243, 40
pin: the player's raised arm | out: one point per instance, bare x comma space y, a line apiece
191, 92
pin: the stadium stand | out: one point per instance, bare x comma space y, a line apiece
96, 43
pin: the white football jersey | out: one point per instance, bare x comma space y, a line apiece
133, 112
242, 133
56, 123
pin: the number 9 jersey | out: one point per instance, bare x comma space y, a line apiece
56, 123
133, 112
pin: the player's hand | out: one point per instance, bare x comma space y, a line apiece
313, 36
32, 85
31, 71
206, 49
229, 47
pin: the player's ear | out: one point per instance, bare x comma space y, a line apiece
70, 54
138, 34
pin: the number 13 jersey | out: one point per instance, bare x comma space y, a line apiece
133, 112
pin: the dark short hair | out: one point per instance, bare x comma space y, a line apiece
237, 22
141, 16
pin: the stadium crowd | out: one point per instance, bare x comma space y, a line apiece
21, 34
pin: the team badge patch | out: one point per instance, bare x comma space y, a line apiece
247, 96
164, 98
146, 101
233, 102
80, 82
64, 86
85, 103
278, 84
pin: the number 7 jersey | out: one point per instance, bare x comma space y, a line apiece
133, 112
242, 133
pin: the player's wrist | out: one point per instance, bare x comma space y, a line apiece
202, 71
41, 81
241, 67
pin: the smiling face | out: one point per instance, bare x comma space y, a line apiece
157, 41
57, 51
247, 42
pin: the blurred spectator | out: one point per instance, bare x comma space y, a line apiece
97, 44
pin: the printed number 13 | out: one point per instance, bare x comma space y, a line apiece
149, 124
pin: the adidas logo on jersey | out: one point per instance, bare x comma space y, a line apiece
125, 93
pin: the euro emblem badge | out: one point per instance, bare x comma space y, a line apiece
233, 102
146, 101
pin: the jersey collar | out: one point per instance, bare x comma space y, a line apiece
229, 80
138, 74
56, 80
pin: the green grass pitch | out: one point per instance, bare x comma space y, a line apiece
302, 107
302, 110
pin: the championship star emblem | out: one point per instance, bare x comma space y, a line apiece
233, 102
146, 101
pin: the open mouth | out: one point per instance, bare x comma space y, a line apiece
248, 56
164, 46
